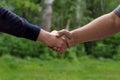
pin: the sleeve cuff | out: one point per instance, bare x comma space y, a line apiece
31, 31
117, 11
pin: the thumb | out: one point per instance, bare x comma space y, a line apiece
64, 32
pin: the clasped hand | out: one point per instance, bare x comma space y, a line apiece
56, 40
63, 40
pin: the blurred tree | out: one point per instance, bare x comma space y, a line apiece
46, 17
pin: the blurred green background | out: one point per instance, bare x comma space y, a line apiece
29, 60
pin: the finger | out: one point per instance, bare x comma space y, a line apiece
58, 50
54, 32
69, 42
53, 48
64, 38
61, 49
64, 46
64, 32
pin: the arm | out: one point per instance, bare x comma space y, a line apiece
99, 28
12, 24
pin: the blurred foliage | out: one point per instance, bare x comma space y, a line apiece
63, 11
12, 68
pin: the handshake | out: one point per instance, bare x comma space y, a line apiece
99, 28
56, 40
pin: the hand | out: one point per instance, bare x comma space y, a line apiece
67, 35
63, 47
52, 41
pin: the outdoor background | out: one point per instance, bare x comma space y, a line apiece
22, 59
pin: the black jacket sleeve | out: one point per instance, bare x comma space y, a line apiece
12, 24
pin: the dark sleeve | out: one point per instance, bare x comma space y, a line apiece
12, 24
117, 11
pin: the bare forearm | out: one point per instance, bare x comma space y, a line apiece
101, 27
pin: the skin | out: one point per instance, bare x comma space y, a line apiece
50, 39
102, 27
99, 28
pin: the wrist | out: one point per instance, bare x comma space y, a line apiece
43, 36
74, 40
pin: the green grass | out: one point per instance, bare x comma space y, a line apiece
34, 69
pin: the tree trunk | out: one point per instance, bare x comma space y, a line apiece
78, 13
102, 6
46, 17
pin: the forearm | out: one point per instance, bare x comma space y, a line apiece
12, 24
43, 36
101, 27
